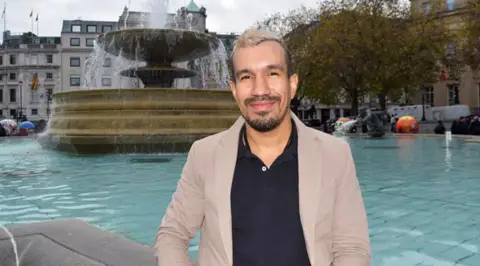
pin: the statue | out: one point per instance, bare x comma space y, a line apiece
373, 123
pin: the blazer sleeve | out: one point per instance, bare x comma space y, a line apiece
183, 217
351, 244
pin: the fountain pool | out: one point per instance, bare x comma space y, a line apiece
422, 198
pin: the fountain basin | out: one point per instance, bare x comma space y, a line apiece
136, 120
158, 47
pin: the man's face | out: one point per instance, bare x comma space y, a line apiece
263, 89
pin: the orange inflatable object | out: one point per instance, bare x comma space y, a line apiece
407, 124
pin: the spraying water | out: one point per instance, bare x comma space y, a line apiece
212, 69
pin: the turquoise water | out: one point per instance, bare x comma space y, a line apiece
422, 198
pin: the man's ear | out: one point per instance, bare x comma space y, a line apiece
233, 87
293, 85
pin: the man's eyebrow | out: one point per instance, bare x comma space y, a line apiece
242, 71
276, 66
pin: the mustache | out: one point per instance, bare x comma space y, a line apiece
266, 98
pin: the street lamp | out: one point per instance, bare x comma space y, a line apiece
20, 114
423, 90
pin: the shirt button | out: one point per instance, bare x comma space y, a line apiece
264, 168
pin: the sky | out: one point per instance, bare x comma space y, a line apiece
223, 16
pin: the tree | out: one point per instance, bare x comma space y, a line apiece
346, 49
411, 50
470, 33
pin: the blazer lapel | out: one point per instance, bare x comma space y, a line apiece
225, 161
309, 165
309, 176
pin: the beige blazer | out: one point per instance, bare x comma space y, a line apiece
331, 205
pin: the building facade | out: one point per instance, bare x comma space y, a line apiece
69, 63
25, 60
77, 44
452, 89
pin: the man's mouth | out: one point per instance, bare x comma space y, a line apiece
262, 105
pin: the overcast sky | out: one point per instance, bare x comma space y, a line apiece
222, 15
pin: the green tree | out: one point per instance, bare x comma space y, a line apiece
345, 49
470, 35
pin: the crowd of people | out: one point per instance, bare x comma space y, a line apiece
465, 125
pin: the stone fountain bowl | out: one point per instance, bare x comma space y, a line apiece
158, 46
136, 120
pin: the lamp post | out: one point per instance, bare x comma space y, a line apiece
423, 90
49, 98
20, 114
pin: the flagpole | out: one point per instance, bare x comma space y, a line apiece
4, 13
31, 17
38, 27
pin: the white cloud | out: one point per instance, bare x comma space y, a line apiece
222, 15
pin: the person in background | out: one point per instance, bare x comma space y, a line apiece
393, 122
439, 128
269, 191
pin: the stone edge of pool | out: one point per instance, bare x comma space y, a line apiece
70, 242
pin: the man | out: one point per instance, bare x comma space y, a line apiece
269, 191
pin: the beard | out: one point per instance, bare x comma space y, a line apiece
264, 123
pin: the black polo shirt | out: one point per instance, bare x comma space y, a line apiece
266, 227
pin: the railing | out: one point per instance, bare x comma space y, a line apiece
29, 46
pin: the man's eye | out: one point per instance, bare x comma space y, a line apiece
244, 77
274, 74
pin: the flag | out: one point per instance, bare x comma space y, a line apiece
31, 13
36, 19
35, 82
4, 10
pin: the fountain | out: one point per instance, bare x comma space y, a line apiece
157, 118
373, 123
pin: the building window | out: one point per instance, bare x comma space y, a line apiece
34, 111
76, 28
75, 80
106, 81
106, 28
13, 76
74, 61
1, 59
1, 96
13, 95
1, 113
50, 41
450, 4
74, 41
35, 96
13, 113
107, 62
34, 59
453, 95
429, 96
13, 59
49, 92
49, 75
49, 58
427, 7
90, 42
92, 29
451, 50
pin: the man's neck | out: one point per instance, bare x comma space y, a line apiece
269, 145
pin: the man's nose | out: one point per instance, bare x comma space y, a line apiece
260, 86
